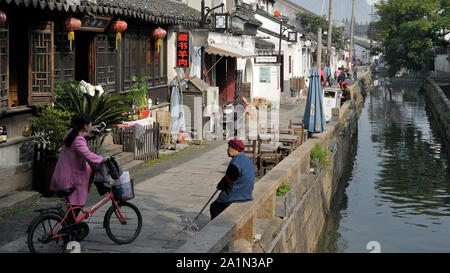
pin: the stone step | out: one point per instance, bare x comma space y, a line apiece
17, 199
108, 140
133, 165
111, 149
124, 158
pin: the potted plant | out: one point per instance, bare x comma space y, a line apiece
285, 199
50, 127
138, 95
319, 158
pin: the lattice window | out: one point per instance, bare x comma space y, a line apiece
149, 62
41, 64
41, 44
106, 62
140, 58
4, 55
64, 58
160, 63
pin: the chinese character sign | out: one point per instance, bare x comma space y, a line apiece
183, 49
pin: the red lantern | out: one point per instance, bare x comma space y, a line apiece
159, 34
71, 24
276, 13
118, 27
2, 17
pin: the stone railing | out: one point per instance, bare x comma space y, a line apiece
239, 220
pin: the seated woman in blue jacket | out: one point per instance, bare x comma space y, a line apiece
237, 184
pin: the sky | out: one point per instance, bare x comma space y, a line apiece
341, 9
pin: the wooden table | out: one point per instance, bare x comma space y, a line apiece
291, 143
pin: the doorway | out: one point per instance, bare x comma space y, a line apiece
83, 46
18, 59
225, 79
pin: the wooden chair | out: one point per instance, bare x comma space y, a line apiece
268, 156
165, 122
251, 152
298, 129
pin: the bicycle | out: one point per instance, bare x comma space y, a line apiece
52, 230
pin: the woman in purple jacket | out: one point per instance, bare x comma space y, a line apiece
72, 166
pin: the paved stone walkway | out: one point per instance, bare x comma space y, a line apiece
165, 199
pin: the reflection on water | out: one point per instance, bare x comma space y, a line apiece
398, 191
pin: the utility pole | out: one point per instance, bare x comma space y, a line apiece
319, 49
351, 36
371, 29
330, 28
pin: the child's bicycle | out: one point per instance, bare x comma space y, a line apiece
51, 230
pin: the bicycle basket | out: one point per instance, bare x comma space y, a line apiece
123, 192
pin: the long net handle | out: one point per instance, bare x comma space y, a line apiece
205, 205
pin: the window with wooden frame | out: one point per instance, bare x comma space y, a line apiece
41, 64
130, 60
4, 68
156, 63
106, 62
149, 61
64, 58
141, 58
160, 63
126, 74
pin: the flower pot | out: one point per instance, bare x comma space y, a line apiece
44, 165
284, 204
50, 166
144, 113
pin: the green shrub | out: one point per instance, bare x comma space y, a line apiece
283, 189
138, 94
319, 157
50, 126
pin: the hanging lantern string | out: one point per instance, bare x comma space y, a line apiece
71, 37
159, 43
118, 37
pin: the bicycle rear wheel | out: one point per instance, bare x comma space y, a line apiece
119, 231
40, 234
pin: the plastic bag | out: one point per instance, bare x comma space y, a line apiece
123, 187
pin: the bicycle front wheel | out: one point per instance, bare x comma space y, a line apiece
40, 234
123, 225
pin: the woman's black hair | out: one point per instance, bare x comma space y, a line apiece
78, 123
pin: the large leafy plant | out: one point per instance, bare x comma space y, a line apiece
101, 106
50, 126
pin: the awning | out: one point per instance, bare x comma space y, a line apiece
229, 51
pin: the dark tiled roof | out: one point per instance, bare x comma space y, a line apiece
159, 11
262, 44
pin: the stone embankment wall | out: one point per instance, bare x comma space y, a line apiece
440, 107
255, 227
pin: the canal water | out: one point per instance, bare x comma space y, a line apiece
396, 196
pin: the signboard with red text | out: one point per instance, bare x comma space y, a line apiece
183, 49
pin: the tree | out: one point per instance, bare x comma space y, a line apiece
311, 23
410, 30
